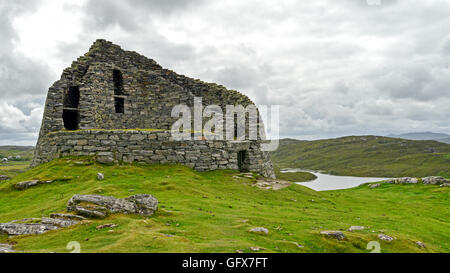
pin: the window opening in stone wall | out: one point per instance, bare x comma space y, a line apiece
72, 99
119, 99
71, 114
118, 82
119, 104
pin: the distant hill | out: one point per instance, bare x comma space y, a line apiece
366, 156
424, 136
16, 148
24, 153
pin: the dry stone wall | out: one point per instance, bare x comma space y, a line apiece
154, 147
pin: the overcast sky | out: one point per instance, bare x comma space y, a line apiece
335, 67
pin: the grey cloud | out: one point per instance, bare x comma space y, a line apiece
129, 14
22, 79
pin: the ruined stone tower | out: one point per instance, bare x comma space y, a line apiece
116, 105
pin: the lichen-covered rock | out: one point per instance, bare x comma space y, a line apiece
100, 176
338, 235
434, 180
145, 203
421, 244
67, 217
356, 228
385, 237
260, 230
25, 229
27, 184
445, 185
374, 186
100, 206
403, 180
58, 222
4, 177
106, 226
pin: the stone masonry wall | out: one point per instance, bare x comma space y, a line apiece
150, 92
153, 147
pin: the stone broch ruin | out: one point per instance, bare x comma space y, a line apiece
116, 105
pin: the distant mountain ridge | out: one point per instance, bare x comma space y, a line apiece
445, 138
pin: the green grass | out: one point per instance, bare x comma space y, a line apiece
296, 177
213, 212
366, 156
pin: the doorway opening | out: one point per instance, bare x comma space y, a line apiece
243, 161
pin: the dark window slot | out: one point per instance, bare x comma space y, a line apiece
119, 104
72, 99
118, 82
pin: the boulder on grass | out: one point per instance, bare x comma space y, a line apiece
27, 184
25, 229
338, 235
99, 206
260, 230
434, 180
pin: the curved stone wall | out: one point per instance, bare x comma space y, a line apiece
153, 147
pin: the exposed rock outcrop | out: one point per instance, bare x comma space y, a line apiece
260, 230
58, 222
98, 206
25, 229
338, 235
403, 180
27, 184
4, 177
435, 180
385, 237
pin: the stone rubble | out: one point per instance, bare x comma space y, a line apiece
27, 184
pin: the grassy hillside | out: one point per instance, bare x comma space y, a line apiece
214, 211
366, 156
